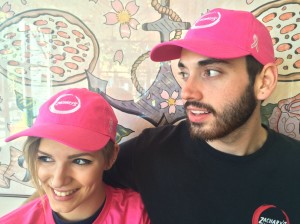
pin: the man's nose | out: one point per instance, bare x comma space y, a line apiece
192, 89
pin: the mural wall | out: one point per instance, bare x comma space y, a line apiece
103, 45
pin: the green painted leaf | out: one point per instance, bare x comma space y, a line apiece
122, 132
266, 112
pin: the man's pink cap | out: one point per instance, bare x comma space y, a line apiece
221, 34
75, 117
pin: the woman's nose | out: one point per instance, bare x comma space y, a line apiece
60, 177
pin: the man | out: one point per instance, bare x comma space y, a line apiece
221, 165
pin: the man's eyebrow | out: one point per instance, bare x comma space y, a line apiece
206, 62
212, 61
180, 65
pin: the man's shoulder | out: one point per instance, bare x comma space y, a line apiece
161, 133
157, 137
285, 146
280, 138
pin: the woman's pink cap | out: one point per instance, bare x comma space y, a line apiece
76, 117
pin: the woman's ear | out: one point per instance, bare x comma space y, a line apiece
266, 81
113, 157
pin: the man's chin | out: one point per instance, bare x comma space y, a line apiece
203, 132
197, 131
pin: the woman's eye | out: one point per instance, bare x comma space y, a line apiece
82, 161
212, 73
45, 159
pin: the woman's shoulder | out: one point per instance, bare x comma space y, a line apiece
31, 212
123, 196
123, 206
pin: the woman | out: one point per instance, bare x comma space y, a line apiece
71, 142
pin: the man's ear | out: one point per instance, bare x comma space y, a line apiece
266, 81
113, 157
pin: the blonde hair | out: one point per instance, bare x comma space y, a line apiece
30, 151
31, 148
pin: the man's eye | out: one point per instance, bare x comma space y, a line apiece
45, 159
82, 161
212, 73
183, 75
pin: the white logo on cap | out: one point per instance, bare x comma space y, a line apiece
255, 42
75, 105
208, 20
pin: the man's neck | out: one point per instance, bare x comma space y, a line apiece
245, 140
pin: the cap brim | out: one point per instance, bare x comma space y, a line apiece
71, 136
209, 48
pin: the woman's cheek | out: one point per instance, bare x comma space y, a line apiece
43, 173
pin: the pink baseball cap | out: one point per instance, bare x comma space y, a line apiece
221, 34
76, 117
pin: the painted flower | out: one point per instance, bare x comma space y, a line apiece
5, 12
123, 16
249, 1
119, 56
170, 102
286, 117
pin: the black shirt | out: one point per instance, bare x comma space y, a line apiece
184, 180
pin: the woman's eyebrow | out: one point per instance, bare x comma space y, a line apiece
70, 157
44, 153
79, 155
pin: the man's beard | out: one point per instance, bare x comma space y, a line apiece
234, 116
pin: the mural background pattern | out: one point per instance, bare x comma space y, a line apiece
47, 46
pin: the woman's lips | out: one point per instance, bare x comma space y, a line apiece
63, 193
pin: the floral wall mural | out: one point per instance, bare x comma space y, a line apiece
104, 45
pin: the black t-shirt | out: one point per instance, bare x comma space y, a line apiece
184, 180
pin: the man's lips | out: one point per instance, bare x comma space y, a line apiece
197, 115
197, 111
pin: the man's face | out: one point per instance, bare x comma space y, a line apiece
218, 94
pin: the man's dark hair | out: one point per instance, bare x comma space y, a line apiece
253, 68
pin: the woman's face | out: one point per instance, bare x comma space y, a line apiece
72, 179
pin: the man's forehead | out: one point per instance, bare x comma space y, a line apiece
188, 57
